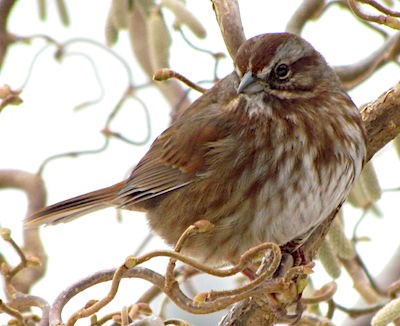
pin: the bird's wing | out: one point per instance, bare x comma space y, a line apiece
178, 155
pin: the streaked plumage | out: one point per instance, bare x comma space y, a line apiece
269, 163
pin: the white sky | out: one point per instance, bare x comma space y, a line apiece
46, 124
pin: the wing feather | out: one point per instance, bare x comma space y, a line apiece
178, 156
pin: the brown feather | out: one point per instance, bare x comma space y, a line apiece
75, 207
178, 155
174, 160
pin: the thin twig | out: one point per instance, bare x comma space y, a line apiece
87, 311
356, 312
321, 295
97, 78
129, 93
380, 19
12, 312
166, 73
172, 288
33, 186
381, 8
23, 261
101, 149
176, 295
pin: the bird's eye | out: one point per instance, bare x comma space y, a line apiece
282, 71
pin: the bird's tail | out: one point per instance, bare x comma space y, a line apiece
72, 208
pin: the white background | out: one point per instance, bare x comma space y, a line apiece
46, 124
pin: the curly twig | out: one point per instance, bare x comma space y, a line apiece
33, 186
219, 299
323, 294
22, 300
176, 295
353, 74
11, 311
303, 14
388, 19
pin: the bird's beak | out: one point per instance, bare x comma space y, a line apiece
249, 84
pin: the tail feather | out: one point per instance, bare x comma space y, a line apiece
75, 207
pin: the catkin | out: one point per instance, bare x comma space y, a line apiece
329, 260
42, 9
388, 3
119, 13
185, 17
341, 245
159, 39
62, 12
358, 197
370, 182
138, 35
111, 32
387, 314
396, 144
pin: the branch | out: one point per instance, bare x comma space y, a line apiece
230, 24
353, 74
173, 291
22, 301
202, 303
360, 281
303, 14
388, 18
382, 120
33, 186
5, 9
389, 274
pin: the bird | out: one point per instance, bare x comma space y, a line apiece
265, 155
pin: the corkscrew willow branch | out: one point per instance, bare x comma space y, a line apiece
219, 300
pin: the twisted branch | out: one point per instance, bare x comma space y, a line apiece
202, 304
33, 187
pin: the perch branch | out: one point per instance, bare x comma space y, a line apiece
382, 120
382, 123
203, 303
176, 295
